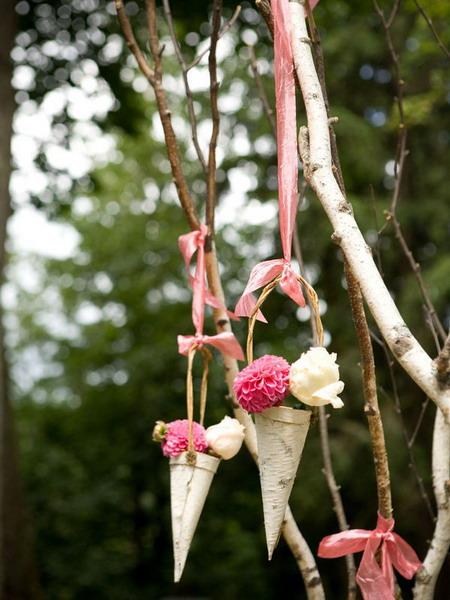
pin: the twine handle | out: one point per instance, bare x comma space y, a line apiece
206, 354
313, 301
190, 400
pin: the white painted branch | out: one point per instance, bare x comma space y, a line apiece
291, 533
440, 544
316, 154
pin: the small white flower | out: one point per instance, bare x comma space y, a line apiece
314, 378
225, 438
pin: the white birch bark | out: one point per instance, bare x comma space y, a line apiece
316, 154
315, 150
440, 544
281, 433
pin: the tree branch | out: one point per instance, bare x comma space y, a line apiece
443, 364
427, 576
131, 42
166, 120
211, 187
432, 28
187, 89
400, 159
318, 171
371, 408
261, 91
228, 25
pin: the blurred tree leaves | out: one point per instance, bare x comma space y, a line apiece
97, 339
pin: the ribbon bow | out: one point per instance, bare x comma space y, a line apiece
266, 271
225, 342
376, 582
189, 244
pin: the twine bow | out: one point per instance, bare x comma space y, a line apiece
376, 582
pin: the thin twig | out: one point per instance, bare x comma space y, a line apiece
211, 186
132, 44
166, 120
423, 410
268, 110
443, 364
187, 89
401, 154
371, 408
430, 24
398, 408
227, 26
266, 11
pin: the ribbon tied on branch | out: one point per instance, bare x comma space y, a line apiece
266, 271
225, 342
376, 581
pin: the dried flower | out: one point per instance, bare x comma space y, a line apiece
262, 384
225, 438
159, 431
314, 378
176, 439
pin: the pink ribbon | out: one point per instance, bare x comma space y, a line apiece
376, 582
225, 342
265, 271
189, 244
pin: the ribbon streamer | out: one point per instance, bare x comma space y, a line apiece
189, 244
376, 582
265, 271
225, 342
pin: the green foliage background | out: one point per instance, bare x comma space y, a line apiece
97, 486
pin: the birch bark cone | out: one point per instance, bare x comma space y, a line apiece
281, 433
189, 486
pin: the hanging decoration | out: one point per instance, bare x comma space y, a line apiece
281, 430
195, 452
383, 550
189, 244
281, 268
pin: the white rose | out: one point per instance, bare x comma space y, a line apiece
314, 378
225, 438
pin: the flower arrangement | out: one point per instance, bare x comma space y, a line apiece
313, 379
263, 384
223, 440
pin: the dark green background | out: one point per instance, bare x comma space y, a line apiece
97, 486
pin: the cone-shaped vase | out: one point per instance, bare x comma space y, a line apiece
281, 433
189, 486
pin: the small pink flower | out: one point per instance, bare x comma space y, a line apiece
176, 438
262, 384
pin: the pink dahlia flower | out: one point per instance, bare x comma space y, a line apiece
176, 438
262, 384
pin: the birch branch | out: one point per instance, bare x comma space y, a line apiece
316, 153
427, 576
